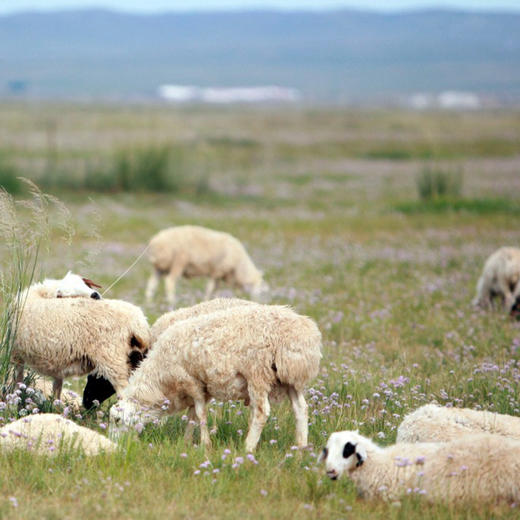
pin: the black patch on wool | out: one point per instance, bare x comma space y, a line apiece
348, 450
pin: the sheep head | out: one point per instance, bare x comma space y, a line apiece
345, 452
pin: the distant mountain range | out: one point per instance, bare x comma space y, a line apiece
331, 56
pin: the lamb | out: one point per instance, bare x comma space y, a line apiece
191, 251
45, 433
62, 337
438, 424
500, 278
246, 353
481, 468
218, 304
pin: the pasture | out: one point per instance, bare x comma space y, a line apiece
327, 205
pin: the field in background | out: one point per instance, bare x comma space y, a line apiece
327, 204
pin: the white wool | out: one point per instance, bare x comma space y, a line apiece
47, 433
439, 423
193, 251
245, 353
473, 468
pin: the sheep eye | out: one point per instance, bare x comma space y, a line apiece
324, 453
348, 450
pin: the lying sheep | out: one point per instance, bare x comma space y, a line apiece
218, 304
72, 285
438, 424
191, 251
63, 337
45, 433
481, 468
500, 278
44, 391
246, 353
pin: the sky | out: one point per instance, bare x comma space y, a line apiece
10, 6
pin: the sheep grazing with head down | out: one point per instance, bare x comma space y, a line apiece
46, 433
474, 468
248, 353
63, 337
218, 304
433, 423
500, 278
191, 251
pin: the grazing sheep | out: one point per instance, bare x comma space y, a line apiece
474, 468
432, 423
246, 353
72, 285
191, 251
63, 337
45, 433
500, 278
99, 389
218, 304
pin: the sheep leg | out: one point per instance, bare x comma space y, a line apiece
509, 299
188, 434
483, 297
171, 278
200, 412
301, 415
260, 409
151, 287
56, 387
210, 287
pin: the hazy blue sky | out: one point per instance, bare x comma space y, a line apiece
7, 6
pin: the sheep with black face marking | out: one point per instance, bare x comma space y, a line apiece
63, 337
433, 423
500, 278
245, 353
45, 433
218, 304
475, 468
192, 251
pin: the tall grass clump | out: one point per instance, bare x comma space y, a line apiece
149, 169
435, 184
25, 226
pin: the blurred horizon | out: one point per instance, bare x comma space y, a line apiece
420, 59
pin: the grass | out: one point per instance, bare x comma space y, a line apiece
390, 291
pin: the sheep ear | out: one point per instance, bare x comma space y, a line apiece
91, 284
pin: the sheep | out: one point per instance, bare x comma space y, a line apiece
99, 389
62, 337
72, 285
246, 353
482, 467
43, 389
438, 423
218, 304
45, 433
191, 251
500, 278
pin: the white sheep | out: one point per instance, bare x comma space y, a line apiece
474, 468
433, 423
500, 278
44, 391
249, 353
63, 337
45, 433
71, 285
169, 318
191, 251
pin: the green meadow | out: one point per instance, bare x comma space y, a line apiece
375, 223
